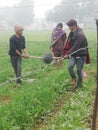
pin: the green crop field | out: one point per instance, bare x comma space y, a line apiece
43, 101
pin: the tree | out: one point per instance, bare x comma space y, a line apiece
23, 13
77, 9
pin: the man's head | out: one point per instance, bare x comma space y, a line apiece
72, 24
59, 26
18, 29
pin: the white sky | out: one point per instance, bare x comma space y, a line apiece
40, 6
4, 3
44, 5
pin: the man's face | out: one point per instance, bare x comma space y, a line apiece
72, 28
20, 32
18, 29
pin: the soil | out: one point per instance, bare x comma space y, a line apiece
5, 100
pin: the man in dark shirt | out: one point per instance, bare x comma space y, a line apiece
78, 52
17, 45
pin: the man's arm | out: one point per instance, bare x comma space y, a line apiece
26, 55
77, 44
18, 53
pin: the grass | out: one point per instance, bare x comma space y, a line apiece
25, 108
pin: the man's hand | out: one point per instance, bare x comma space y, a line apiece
26, 56
66, 56
51, 48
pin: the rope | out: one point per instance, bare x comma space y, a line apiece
43, 67
24, 76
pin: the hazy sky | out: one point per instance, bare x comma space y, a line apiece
40, 6
4, 3
44, 5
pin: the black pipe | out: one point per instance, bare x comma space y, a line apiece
96, 96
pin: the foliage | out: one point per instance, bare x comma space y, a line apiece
76, 9
25, 107
21, 14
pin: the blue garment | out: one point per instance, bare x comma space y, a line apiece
79, 62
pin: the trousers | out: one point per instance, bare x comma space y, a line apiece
79, 62
16, 63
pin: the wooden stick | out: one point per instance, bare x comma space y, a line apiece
39, 57
96, 95
36, 57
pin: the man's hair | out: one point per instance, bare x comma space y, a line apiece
72, 22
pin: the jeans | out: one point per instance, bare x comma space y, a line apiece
16, 63
79, 62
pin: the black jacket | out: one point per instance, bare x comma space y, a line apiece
78, 41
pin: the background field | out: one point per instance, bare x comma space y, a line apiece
45, 103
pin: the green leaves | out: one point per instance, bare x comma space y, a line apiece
47, 98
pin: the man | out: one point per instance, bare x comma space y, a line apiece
17, 45
58, 41
78, 51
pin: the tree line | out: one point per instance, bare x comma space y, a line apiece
23, 13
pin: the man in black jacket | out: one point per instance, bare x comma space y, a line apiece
78, 52
17, 45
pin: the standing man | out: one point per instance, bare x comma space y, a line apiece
17, 45
58, 38
78, 51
